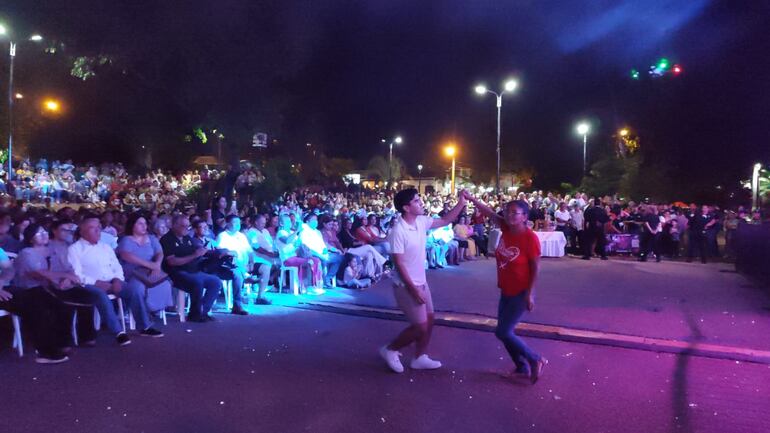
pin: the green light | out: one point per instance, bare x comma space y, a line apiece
634, 74
663, 63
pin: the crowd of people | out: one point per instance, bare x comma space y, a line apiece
137, 239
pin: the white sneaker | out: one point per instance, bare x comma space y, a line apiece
425, 363
391, 358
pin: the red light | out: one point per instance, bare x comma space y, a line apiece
677, 69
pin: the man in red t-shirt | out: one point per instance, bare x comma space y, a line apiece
518, 255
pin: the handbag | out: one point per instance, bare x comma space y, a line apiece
145, 276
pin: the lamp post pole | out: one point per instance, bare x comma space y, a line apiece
585, 146
12, 53
583, 128
497, 177
396, 140
508, 86
419, 178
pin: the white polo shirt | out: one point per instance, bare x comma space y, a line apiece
409, 240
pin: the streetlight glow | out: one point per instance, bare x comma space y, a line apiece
3, 30
481, 89
623, 132
36, 38
419, 167
511, 85
19, 96
398, 140
51, 105
583, 128
450, 150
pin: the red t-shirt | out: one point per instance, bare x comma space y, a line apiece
513, 254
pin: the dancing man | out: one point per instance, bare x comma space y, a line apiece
407, 240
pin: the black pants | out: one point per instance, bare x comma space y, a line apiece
38, 312
481, 244
649, 243
696, 241
75, 301
594, 239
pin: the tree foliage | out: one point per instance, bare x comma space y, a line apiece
378, 168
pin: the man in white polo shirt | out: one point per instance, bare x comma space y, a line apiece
407, 240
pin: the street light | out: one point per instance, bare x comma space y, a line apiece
51, 105
451, 151
419, 178
397, 140
508, 86
755, 186
623, 132
11, 96
583, 128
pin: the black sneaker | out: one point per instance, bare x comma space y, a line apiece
238, 310
151, 332
262, 301
56, 358
123, 339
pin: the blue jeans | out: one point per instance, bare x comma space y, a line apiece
133, 300
195, 283
509, 312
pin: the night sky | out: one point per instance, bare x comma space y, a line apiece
344, 74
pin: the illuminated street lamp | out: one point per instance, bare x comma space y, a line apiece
397, 140
5, 32
419, 177
583, 128
623, 132
508, 86
52, 105
755, 186
451, 151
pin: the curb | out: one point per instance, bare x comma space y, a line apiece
552, 332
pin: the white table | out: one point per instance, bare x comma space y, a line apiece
551, 243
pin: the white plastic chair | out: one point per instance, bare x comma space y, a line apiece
121, 314
182, 306
17, 344
227, 288
293, 273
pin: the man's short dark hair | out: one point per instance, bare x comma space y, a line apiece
403, 198
231, 217
597, 202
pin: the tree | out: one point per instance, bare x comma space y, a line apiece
378, 168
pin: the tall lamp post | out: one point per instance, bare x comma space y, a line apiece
481, 89
397, 140
419, 178
12, 54
451, 151
755, 186
583, 128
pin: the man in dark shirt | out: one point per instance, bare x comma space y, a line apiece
649, 238
696, 236
594, 219
182, 263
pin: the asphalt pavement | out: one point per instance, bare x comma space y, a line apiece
290, 369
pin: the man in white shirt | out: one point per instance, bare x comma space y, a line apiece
265, 254
576, 218
98, 269
407, 239
235, 242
